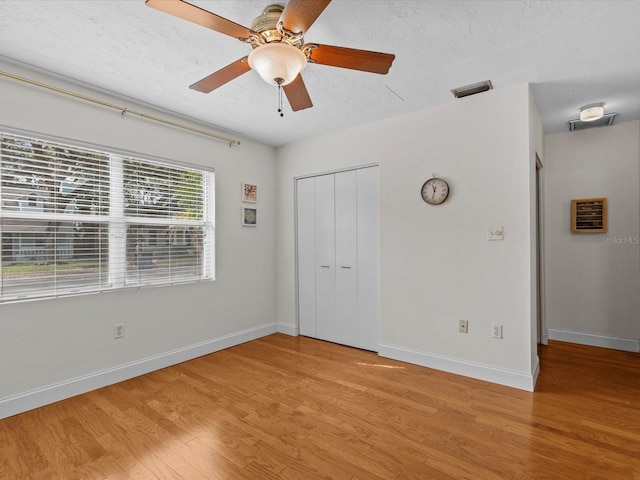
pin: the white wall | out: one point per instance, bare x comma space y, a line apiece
593, 280
50, 348
436, 263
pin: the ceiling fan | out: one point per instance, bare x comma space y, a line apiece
278, 53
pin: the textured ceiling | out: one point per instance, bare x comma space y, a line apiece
572, 52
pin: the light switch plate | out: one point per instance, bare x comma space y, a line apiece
495, 233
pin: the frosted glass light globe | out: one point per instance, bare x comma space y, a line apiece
277, 63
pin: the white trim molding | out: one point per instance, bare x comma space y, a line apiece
509, 378
288, 329
23, 402
595, 340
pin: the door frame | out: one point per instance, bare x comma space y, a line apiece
541, 325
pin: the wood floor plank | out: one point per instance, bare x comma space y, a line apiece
294, 408
123, 465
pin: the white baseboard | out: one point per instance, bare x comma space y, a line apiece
500, 376
536, 372
595, 340
288, 329
23, 402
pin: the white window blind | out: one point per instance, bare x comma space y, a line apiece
75, 219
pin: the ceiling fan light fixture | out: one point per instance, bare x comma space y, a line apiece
277, 63
592, 112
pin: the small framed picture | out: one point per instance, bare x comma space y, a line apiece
249, 193
249, 216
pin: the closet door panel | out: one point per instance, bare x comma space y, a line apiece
346, 221
338, 248
306, 250
325, 257
368, 249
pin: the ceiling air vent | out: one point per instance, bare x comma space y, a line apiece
472, 89
605, 121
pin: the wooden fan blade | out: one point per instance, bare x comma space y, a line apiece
297, 94
200, 16
222, 76
374, 62
299, 15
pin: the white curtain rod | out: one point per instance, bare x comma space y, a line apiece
122, 110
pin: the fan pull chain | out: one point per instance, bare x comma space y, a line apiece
279, 83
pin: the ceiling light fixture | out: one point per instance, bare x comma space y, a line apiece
277, 63
592, 112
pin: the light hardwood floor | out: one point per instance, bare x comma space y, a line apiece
295, 408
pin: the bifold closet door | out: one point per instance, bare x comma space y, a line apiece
325, 258
343, 327
338, 257
306, 235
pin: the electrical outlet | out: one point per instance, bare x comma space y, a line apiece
118, 331
463, 326
496, 330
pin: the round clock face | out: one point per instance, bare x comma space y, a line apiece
435, 191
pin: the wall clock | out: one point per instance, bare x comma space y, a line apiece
435, 190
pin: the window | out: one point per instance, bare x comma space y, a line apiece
75, 219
